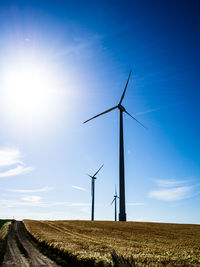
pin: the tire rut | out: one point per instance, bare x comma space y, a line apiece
14, 257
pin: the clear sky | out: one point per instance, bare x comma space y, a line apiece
62, 62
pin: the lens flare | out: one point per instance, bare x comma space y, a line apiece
28, 92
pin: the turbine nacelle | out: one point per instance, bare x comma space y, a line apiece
120, 107
93, 178
115, 196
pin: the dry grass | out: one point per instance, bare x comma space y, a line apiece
4, 228
147, 243
5, 224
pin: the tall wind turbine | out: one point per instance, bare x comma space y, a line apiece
115, 200
122, 208
92, 191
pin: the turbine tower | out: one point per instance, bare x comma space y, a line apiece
92, 191
115, 200
122, 208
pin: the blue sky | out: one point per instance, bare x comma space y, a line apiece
62, 62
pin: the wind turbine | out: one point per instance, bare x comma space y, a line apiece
115, 200
122, 208
92, 191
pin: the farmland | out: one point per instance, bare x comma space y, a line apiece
148, 243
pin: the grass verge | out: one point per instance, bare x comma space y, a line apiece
2, 249
3, 238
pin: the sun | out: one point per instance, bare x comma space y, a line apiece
28, 91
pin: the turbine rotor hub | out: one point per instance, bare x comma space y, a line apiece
121, 108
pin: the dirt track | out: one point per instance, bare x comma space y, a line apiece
14, 257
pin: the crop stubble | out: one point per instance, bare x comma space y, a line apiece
145, 242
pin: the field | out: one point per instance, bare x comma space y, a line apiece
148, 243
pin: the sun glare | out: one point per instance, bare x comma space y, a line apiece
28, 91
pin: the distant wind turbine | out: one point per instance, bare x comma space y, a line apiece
115, 200
122, 208
92, 191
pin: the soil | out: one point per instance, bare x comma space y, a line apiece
14, 257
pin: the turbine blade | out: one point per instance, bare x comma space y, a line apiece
115, 190
135, 119
97, 171
122, 97
112, 201
90, 176
101, 114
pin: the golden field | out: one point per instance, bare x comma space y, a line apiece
148, 243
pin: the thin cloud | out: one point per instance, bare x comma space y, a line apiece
169, 183
73, 204
35, 201
147, 111
85, 210
40, 190
31, 198
79, 188
12, 204
80, 45
135, 204
10, 156
172, 194
16, 171
157, 109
